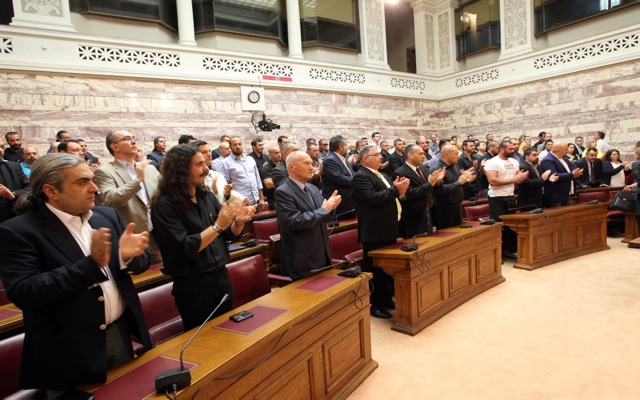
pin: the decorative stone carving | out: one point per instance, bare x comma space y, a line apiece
474, 79
431, 48
6, 45
592, 50
51, 8
444, 40
515, 21
246, 67
336, 76
375, 38
126, 56
412, 84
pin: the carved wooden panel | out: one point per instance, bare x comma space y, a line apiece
343, 354
460, 276
487, 265
295, 383
430, 292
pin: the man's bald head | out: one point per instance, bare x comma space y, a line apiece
288, 148
560, 149
299, 165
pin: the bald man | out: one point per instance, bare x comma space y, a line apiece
557, 193
302, 217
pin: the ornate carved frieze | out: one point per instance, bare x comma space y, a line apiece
336, 76
515, 20
431, 48
475, 79
127, 56
375, 38
50, 8
412, 84
6, 45
247, 67
585, 52
444, 40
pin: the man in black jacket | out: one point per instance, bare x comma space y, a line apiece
13, 183
396, 159
592, 167
531, 191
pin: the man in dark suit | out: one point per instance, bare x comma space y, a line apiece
66, 264
557, 193
159, 148
337, 174
449, 192
302, 218
396, 159
419, 198
378, 210
592, 167
280, 173
530, 192
13, 183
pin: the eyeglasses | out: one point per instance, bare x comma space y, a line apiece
127, 139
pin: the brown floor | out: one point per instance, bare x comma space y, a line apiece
566, 331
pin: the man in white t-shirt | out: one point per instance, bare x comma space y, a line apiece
503, 173
600, 143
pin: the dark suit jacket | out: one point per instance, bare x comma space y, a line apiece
336, 176
376, 207
608, 171
396, 160
48, 276
279, 174
156, 158
583, 180
557, 192
414, 219
303, 229
530, 191
12, 176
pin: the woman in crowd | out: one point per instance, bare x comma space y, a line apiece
572, 153
614, 171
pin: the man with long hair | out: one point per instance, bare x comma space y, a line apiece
191, 229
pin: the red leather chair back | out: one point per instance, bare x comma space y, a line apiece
343, 243
475, 211
263, 229
11, 360
249, 279
602, 197
160, 313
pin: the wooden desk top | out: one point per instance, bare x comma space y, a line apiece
214, 349
554, 211
441, 238
345, 225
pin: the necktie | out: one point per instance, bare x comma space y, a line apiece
430, 200
592, 175
306, 190
398, 206
420, 175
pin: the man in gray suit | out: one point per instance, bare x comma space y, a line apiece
302, 217
128, 186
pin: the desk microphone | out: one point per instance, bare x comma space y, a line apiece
413, 246
340, 263
335, 222
528, 207
181, 377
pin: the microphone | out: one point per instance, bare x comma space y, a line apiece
413, 246
253, 242
340, 263
335, 222
528, 207
179, 378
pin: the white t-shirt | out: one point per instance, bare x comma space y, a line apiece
507, 169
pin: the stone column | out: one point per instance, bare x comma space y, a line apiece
186, 31
293, 27
446, 61
516, 28
434, 28
42, 14
373, 36
425, 36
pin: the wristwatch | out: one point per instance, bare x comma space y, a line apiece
216, 228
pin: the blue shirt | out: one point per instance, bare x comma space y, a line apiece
25, 168
244, 174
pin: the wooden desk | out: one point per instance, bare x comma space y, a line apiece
345, 225
320, 348
10, 320
630, 227
558, 233
149, 279
449, 268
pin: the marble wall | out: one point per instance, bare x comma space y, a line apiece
39, 105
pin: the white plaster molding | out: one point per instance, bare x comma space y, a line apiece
516, 27
42, 14
373, 43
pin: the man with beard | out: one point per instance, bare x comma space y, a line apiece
531, 190
266, 174
466, 162
257, 147
30, 154
13, 183
503, 173
243, 172
191, 228
14, 152
159, 148
215, 181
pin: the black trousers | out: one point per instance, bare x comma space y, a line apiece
382, 283
500, 206
444, 216
197, 296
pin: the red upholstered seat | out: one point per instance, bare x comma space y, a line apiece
10, 362
249, 279
355, 256
343, 243
263, 229
475, 211
602, 197
160, 313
